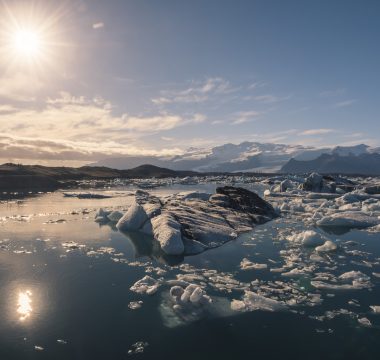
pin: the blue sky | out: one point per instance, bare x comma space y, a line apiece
123, 77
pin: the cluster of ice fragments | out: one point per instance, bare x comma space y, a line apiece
330, 203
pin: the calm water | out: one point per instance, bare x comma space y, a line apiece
68, 301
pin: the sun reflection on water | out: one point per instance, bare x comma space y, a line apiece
24, 305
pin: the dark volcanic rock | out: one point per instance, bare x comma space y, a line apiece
246, 201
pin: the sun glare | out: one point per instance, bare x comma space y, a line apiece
27, 43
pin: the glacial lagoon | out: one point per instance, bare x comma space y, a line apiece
70, 286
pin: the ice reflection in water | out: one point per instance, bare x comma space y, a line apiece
24, 305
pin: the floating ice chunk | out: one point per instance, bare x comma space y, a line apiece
133, 219
134, 305
102, 215
349, 219
350, 207
371, 207
61, 341
328, 246
253, 301
365, 322
176, 293
190, 195
238, 305
137, 348
284, 207
192, 294
115, 216
87, 195
326, 286
375, 309
196, 295
72, 245
38, 348
309, 238
146, 285
358, 281
295, 273
354, 275
168, 232
267, 192
248, 265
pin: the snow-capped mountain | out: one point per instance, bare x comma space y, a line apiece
246, 156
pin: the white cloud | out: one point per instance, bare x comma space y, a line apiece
82, 128
98, 25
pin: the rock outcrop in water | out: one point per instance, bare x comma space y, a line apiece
192, 222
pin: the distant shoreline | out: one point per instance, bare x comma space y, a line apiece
29, 178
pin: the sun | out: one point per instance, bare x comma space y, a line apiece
32, 35
27, 43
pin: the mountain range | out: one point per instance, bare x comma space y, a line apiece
260, 157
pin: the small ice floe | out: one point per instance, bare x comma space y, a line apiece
349, 219
22, 252
248, 265
185, 304
87, 195
157, 270
146, 285
364, 322
192, 294
377, 275
296, 273
58, 221
375, 309
328, 246
137, 347
352, 280
38, 348
253, 301
115, 216
134, 305
72, 245
102, 215
107, 250
308, 238
61, 341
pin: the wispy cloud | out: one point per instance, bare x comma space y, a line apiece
332, 93
317, 132
267, 98
344, 103
198, 92
245, 116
